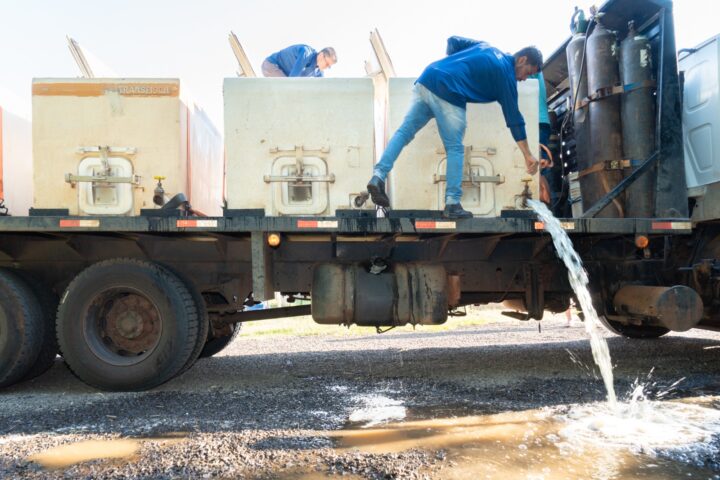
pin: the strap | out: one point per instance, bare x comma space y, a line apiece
609, 165
606, 92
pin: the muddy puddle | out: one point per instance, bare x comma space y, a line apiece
117, 450
650, 439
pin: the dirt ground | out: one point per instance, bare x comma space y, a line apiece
271, 405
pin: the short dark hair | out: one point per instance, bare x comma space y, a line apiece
533, 55
329, 52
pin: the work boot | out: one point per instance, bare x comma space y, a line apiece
376, 189
455, 210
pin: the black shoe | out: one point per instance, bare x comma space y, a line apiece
376, 188
456, 210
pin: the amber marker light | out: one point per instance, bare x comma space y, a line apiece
273, 240
641, 241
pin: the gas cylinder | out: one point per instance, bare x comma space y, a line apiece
577, 77
605, 152
638, 119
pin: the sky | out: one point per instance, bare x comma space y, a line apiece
187, 39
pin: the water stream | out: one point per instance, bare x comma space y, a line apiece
579, 282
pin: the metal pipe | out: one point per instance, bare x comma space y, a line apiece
265, 314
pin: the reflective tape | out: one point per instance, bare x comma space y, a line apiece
672, 225
563, 225
432, 225
317, 224
197, 224
79, 223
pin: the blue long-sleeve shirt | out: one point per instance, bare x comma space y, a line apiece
297, 61
476, 72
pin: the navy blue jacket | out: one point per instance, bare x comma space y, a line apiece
297, 61
476, 72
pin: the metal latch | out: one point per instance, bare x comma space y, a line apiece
473, 179
469, 178
471, 151
106, 177
299, 152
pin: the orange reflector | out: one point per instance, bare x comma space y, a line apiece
641, 241
273, 239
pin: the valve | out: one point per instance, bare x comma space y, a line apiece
526, 193
159, 192
361, 198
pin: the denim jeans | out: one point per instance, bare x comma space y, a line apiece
451, 123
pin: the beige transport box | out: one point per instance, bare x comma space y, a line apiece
99, 143
494, 170
298, 146
15, 162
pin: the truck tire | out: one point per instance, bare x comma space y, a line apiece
48, 302
203, 320
21, 328
213, 346
633, 331
127, 324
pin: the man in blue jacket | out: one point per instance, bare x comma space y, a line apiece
472, 72
299, 61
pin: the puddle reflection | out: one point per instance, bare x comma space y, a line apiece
64, 456
570, 443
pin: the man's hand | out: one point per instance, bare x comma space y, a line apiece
532, 164
530, 161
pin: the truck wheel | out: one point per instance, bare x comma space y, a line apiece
633, 331
127, 324
203, 322
21, 328
48, 302
213, 346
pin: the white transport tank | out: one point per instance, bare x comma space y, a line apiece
495, 168
15, 162
298, 146
98, 143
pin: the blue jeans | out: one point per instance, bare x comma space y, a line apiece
451, 123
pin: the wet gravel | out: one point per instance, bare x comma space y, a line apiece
267, 407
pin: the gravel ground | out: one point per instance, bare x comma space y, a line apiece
267, 406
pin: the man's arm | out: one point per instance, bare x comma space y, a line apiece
508, 100
457, 44
303, 57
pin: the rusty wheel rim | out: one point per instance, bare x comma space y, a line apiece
122, 326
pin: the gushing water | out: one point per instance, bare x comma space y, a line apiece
579, 282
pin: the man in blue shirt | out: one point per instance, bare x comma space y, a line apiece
472, 72
299, 61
